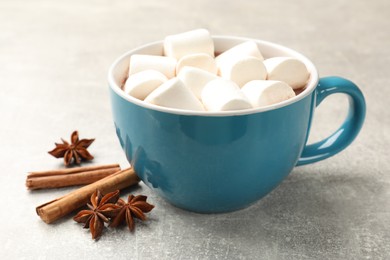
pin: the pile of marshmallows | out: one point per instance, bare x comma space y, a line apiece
188, 77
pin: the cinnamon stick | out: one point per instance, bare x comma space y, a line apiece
69, 177
72, 170
55, 209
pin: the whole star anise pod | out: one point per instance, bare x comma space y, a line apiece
136, 206
76, 150
102, 208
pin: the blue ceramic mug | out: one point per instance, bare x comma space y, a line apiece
222, 161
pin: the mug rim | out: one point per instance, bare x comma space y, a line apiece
309, 88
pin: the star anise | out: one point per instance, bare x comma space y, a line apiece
76, 150
102, 209
135, 207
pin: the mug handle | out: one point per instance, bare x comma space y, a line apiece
350, 128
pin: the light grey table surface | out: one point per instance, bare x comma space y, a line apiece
54, 57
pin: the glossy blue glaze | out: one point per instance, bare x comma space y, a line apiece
220, 162
209, 163
348, 131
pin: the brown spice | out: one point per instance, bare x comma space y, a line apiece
69, 177
55, 209
110, 207
135, 207
102, 208
73, 152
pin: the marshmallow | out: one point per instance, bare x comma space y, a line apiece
287, 69
248, 48
174, 94
267, 92
223, 95
241, 69
141, 84
198, 60
195, 79
140, 62
196, 41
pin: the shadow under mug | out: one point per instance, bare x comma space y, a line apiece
223, 161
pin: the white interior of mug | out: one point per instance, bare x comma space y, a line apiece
118, 73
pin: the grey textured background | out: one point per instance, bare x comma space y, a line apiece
54, 57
